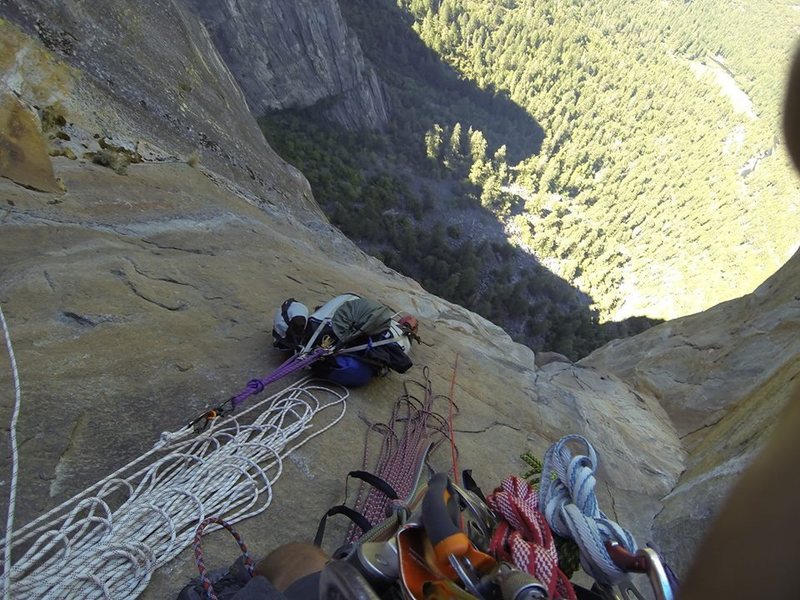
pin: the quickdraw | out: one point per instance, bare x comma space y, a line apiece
256, 386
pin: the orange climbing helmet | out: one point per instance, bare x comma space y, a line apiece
409, 324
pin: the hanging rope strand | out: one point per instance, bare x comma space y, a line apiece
12, 488
452, 408
402, 454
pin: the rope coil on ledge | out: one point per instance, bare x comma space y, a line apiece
107, 541
566, 491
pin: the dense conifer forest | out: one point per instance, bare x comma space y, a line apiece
630, 147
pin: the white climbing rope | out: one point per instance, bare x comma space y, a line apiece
107, 541
12, 488
570, 506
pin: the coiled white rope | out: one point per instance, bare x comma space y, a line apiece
107, 541
12, 488
566, 491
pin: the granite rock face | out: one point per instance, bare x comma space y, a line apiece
723, 376
23, 153
147, 80
295, 55
142, 290
138, 299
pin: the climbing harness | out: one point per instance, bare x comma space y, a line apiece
107, 541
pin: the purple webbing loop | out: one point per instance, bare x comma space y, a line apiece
256, 385
295, 363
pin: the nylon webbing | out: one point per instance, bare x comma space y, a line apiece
295, 363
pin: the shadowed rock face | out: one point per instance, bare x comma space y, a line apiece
145, 291
723, 376
295, 55
151, 78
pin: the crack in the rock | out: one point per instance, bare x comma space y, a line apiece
25, 217
26, 440
49, 281
699, 348
237, 338
58, 470
76, 426
685, 435
180, 306
613, 501
178, 249
487, 428
165, 279
81, 320
578, 379
295, 279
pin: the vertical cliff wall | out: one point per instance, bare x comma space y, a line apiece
145, 291
724, 376
295, 55
149, 81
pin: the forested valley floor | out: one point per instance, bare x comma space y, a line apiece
553, 164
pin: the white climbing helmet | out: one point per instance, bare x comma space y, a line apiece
292, 313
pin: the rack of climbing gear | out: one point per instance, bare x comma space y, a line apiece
418, 535
452, 543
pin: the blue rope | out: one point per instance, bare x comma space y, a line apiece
570, 506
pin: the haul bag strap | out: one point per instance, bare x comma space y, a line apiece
375, 482
391, 340
356, 517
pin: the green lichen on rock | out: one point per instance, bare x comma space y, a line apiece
63, 151
53, 119
116, 161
